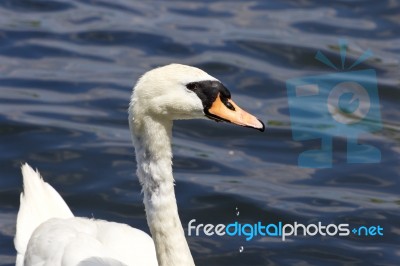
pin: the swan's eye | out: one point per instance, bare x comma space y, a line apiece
191, 86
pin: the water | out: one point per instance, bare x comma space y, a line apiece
66, 72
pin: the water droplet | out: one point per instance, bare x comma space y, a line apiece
237, 213
236, 208
241, 249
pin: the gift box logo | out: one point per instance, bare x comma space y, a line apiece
344, 104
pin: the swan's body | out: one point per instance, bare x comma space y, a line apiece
56, 237
49, 235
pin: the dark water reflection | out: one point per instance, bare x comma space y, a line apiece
66, 72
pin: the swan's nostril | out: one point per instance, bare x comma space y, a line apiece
228, 104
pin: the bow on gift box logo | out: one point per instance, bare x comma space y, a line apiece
342, 104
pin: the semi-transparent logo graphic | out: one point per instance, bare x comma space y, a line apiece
344, 103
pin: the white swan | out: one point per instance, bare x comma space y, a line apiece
48, 234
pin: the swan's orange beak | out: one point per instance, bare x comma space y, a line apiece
231, 112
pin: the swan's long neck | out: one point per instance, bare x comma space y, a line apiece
152, 140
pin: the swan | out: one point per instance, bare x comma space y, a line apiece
48, 234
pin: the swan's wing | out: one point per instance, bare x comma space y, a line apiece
49, 235
80, 241
38, 203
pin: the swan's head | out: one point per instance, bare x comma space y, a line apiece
183, 92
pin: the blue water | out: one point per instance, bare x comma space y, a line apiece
66, 73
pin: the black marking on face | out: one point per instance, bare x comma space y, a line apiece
208, 91
222, 108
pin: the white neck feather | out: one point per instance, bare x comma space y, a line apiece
152, 140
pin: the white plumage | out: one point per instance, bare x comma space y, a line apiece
49, 235
56, 237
